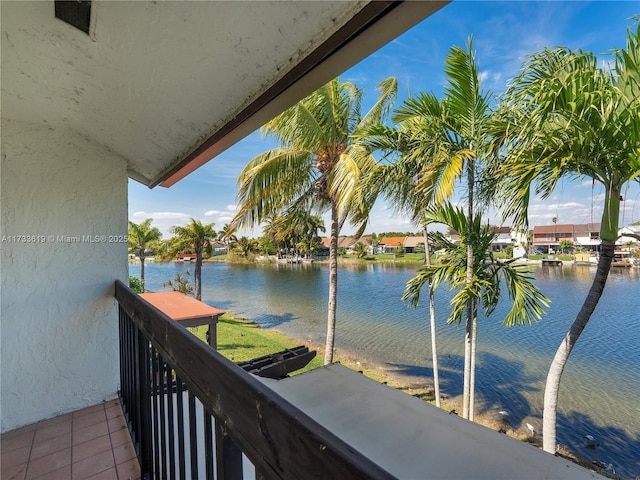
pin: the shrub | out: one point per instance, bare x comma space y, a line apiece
136, 284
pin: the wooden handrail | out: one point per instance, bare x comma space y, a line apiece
277, 437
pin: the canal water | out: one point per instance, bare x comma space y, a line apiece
600, 390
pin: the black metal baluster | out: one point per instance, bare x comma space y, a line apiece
181, 433
193, 438
155, 396
208, 443
136, 382
144, 402
163, 414
228, 455
170, 422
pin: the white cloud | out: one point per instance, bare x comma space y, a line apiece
211, 213
163, 215
165, 221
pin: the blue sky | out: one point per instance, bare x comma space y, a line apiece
504, 33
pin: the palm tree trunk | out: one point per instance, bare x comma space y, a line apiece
472, 369
333, 284
466, 397
466, 391
562, 354
432, 316
141, 257
198, 274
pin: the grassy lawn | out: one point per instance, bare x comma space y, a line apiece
240, 340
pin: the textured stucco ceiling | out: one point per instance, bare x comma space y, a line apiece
154, 80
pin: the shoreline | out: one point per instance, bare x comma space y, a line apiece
366, 261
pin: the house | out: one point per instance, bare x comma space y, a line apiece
587, 235
504, 237
547, 238
502, 240
95, 94
391, 244
219, 248
413, 244
625, 238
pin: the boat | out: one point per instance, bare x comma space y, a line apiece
622, 258
552, 262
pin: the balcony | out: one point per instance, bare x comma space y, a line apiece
187, 412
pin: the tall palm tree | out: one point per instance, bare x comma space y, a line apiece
447, 140
139, 238
227, 235
566, 117
397, 180
197, 237
316, 169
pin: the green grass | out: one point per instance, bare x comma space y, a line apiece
240, 340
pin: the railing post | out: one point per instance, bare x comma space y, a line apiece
228, 455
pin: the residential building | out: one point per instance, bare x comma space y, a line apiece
413, 244
547, 238
391, 244
587, 236
625, 238
505, 237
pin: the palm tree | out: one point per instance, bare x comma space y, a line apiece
244, 246
197, 237
316, 169
180, 283
397, 181
443, 141
564, 116
227, 235
296, 227
139, 238
360, 249
489, 273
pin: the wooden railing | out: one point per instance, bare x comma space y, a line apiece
195, 414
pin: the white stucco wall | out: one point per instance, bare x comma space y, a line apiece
59, 337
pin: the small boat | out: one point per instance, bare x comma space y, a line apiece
622, 259
552, 262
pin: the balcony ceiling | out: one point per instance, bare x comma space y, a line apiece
169, 85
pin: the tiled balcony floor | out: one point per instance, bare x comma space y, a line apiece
90, 443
